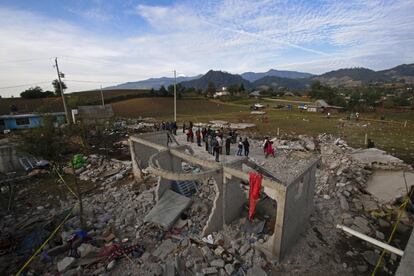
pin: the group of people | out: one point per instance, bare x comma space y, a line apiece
169, 126
215, 140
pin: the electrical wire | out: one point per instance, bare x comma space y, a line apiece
23, 60
22, 85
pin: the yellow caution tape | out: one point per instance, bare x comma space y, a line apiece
43, 244
401, 209
64, 182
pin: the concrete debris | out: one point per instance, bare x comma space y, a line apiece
373, 156
65, 263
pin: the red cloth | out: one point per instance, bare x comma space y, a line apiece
269, 148
255, 180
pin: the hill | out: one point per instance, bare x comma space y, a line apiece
155, 83
403, 72
350, 77
219, 78
252, 76
278, 82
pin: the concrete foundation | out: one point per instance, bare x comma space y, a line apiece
155, 153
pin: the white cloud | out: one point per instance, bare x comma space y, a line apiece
234, 36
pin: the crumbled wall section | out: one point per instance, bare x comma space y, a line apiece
215, 220
298, 207
234, 199
294, 199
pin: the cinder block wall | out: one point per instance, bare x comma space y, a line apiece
234, 199
298, 208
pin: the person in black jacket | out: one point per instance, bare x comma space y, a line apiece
246, 147
228, 142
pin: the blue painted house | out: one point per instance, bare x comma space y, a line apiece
26, 121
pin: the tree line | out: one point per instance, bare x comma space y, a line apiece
37, 92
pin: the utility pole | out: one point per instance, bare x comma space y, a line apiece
103, 101
175, 97
61, 93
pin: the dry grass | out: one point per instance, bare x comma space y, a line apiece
393, 138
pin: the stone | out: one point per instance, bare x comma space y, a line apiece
379, 235
371, 257
219, 250
362, 268
209, 270
229, 269
344, 203
362, 225
244, 249
111, 265
65, 263
369, 205
217, 263
207, 253
85, 249
164, 249
256, 271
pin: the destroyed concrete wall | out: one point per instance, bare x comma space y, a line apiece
215, 220
234, 199
9, 161
298, 206
294, 199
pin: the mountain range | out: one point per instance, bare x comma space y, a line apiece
347, 77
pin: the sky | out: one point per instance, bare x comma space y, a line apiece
110, 42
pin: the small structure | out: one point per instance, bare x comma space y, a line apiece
221, 93
323, 107
154, 152
91, 114
255, 94
32, 120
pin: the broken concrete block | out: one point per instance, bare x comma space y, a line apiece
219, 250
168, 209
362, 225
169, 270
217, 263
65, 263
229, 269
207, 253
244, 249
344, 203
164, 249
85, 249
256, 271
209, 270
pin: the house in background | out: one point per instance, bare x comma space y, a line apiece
323, 107
32, 120
92, 114
255, 94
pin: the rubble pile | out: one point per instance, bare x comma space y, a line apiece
104, 170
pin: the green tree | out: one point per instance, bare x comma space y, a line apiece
162, 91
56, 86
211, 88
35, 93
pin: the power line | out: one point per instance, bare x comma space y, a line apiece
22, 85
23, 60
92, 81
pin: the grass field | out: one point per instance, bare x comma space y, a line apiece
392, 137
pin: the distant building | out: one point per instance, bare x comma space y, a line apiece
255, 94
290, 94
324, 107
220, 94
92, 113
26, 121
